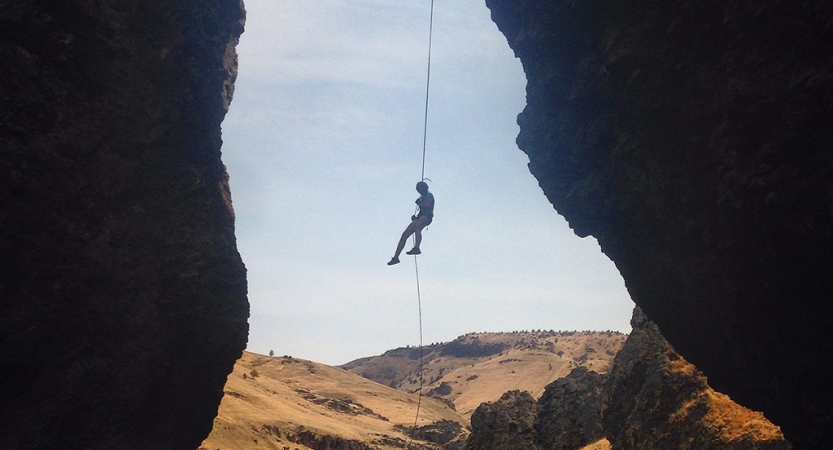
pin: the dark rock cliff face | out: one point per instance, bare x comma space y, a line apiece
693, 140
654, 399
122, 295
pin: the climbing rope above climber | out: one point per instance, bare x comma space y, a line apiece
426, 199
422, 219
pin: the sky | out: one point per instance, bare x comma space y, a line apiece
323, 144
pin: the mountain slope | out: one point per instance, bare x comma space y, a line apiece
480, 367
280, 402
651, 399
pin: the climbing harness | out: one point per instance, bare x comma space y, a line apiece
422, 178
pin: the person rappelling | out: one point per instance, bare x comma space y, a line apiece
424, 217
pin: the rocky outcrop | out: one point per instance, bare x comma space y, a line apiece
462, 348
507, 424
446, 434
568, 416
654, 399
651, 399
692, 139
443, 389
122, 296
310, 439
565, 417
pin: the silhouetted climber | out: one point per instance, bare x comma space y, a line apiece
418, 222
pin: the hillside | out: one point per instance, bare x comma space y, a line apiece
285, 402
652, 399
480, 367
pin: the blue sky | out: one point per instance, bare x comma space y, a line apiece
323, 144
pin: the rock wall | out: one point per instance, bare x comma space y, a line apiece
122, 295
693, 140
653, 399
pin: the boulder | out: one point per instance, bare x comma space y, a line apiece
507, 424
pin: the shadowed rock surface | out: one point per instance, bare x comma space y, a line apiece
654, 399
651, 399
447, 434
565, 417
314, 441
122, 295
568, 416
507, 424
692, 139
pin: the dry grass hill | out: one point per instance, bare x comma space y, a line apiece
286, 403
480, 367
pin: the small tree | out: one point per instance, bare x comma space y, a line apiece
271, 353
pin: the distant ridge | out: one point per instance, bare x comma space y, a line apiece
649, 395
479, 367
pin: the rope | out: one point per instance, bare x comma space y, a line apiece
427, 89
421, 378
422, 177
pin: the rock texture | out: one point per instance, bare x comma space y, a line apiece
651, 399
654, 399
568, 416
122, 295
507, 424
565, 417
447, 434
310, 439
692, 139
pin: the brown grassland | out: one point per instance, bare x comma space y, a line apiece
480, 367
290, 398
284, 403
